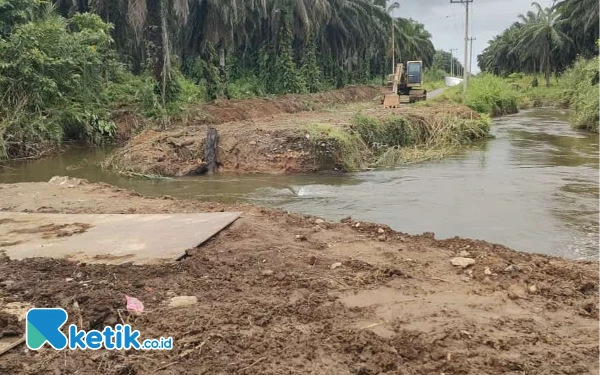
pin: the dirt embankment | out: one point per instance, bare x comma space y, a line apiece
221, 111
287, 294
266, 135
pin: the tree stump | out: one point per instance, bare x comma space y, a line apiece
210, 150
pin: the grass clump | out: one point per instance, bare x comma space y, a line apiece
335, 145
375, 142
492, 95
404, 139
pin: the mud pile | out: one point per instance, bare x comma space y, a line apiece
281, 293
273, 140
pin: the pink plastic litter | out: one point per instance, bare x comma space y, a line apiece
134, 304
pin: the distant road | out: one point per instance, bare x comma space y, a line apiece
433, 94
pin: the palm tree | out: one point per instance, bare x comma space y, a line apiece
543, 36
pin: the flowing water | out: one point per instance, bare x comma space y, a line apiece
534, 187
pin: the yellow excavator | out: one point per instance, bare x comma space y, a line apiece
404, 86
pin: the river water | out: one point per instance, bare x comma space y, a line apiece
534, 187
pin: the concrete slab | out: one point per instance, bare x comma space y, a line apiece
108, 238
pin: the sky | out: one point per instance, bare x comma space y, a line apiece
446, 21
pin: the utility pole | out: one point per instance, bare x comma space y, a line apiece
393, 46
452, 62
471, 55
465, 63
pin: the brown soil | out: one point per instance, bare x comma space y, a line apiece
269, 301
264, 135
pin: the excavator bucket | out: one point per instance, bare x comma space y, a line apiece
391, 100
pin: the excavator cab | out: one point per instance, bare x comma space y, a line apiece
405, 85
410, 83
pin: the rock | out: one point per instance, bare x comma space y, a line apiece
357, 225
382, 238
462, 262
533, 289
335, 265
267, 272
65, 180
516, 291
319, 221
301, 237
380, 230
182, 301
464, 254
312, 260
512, 268
487, 271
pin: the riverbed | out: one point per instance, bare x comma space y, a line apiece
533, 187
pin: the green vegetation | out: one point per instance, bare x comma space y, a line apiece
492, 95
545, 40
561, 44
580, 93
487, 94
52, 78
371, 141
65, 65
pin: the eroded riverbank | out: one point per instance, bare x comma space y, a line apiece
349, 135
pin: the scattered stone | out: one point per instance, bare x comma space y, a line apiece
462, 262
588, 288
533, 289
267, 272
253, 143
69, 279
466, 333
470, 273
335, 265
517, 291
181, 301
487, 271
357, 225
464, 254
312, 260
382, 238
319, 221
512, 268
301, 237
380, 230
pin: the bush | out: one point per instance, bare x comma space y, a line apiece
580, 87
52, 78
492, 95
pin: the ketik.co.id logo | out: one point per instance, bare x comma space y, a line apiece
44, 324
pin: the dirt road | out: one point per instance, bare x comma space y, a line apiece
287, 294
435, 93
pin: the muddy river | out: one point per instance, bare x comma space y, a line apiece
534, 187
